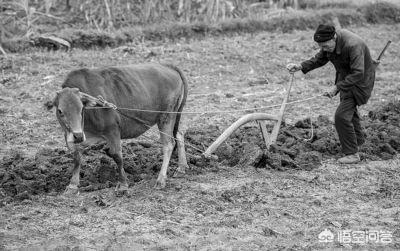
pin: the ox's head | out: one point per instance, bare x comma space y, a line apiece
69, 104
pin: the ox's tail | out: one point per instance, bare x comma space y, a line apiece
182, 104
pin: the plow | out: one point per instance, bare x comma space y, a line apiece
262, 118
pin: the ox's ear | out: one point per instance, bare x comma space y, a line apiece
52, 103
87, 100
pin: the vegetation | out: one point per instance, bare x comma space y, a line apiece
91, 23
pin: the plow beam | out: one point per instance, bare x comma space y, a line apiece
243, 120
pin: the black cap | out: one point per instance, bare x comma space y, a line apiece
324, 33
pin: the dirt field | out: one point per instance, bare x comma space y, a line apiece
239, 202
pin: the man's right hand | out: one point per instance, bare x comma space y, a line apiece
292, 68
331, 93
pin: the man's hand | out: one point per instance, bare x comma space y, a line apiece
376, 61
292, 68
331, 93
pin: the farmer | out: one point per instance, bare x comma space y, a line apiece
355, 76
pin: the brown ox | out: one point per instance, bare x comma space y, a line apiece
155, 87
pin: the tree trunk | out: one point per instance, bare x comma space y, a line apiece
148, 10
1, 39
188, 7
223, 10
181, 10
295, 4
216, 10
110, 23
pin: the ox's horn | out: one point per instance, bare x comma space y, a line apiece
88, 100
51, 103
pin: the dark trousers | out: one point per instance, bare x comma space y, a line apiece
348, 127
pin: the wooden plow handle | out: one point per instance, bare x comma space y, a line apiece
384, 49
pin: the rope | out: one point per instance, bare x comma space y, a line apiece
150, 127
170, 160
208, 112
159, 143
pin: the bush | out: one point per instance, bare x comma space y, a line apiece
320, 4
381, 12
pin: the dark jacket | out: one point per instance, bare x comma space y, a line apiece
355, 69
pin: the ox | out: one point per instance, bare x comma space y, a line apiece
156, 87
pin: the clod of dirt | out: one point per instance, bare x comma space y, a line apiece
100, 201
269, 232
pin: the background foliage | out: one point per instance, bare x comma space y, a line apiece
90, 23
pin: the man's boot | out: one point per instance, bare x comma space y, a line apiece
350, 159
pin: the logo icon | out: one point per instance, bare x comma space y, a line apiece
326, 236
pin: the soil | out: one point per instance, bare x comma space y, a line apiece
303, 145
247, 198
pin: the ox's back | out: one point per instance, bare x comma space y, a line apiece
147, 87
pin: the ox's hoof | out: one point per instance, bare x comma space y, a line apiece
181, 170
160, 183
121, 189
71, 190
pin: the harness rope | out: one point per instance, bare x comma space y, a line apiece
171, 161
112, 106
150, 127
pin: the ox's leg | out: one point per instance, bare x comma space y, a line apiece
72, 188
115, 152
182, 161
167, 141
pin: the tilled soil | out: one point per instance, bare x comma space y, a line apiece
306, 144
303, 145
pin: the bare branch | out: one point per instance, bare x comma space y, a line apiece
2, 50
110, 18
